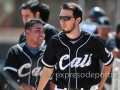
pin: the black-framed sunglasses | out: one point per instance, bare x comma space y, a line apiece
65, 18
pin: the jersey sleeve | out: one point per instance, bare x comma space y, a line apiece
11, 65
111, 44
48, 57
103, 53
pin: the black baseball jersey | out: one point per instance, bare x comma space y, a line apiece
77, 65
49, 32
24, 66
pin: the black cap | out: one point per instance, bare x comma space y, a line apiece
104, 21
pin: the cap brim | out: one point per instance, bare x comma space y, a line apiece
103, 26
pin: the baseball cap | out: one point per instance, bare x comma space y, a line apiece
103, 22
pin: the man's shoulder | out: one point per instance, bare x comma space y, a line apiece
87, 33
22, 34
22, 38
16, 48
84, 34
49, 26
50, 30
93, 38
57, 37
112, 39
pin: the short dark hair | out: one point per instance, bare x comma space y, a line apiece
30, 23
44, 12
36, 6
118, 28
77, 10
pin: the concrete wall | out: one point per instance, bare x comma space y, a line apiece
8, 37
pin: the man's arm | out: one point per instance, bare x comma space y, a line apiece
52, 85
105, 74
46, 74
116, 52
11, 68
24, 86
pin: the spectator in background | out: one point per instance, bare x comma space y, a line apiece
103, 28
35, 9
113, 43
90, 24
23, 61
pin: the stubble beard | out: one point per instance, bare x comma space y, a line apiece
69, 31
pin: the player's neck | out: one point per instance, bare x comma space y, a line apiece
32, 45
74, 34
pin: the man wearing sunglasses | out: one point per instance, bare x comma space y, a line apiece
75, 55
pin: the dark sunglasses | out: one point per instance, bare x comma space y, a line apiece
65, 18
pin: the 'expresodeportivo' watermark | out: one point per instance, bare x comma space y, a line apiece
85, 75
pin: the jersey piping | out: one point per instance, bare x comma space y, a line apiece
14, 69
110, 60
69, 55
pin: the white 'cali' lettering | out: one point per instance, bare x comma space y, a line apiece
76, 62
35, 72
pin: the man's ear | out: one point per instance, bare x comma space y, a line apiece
37, 15
27, 32
78, 20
